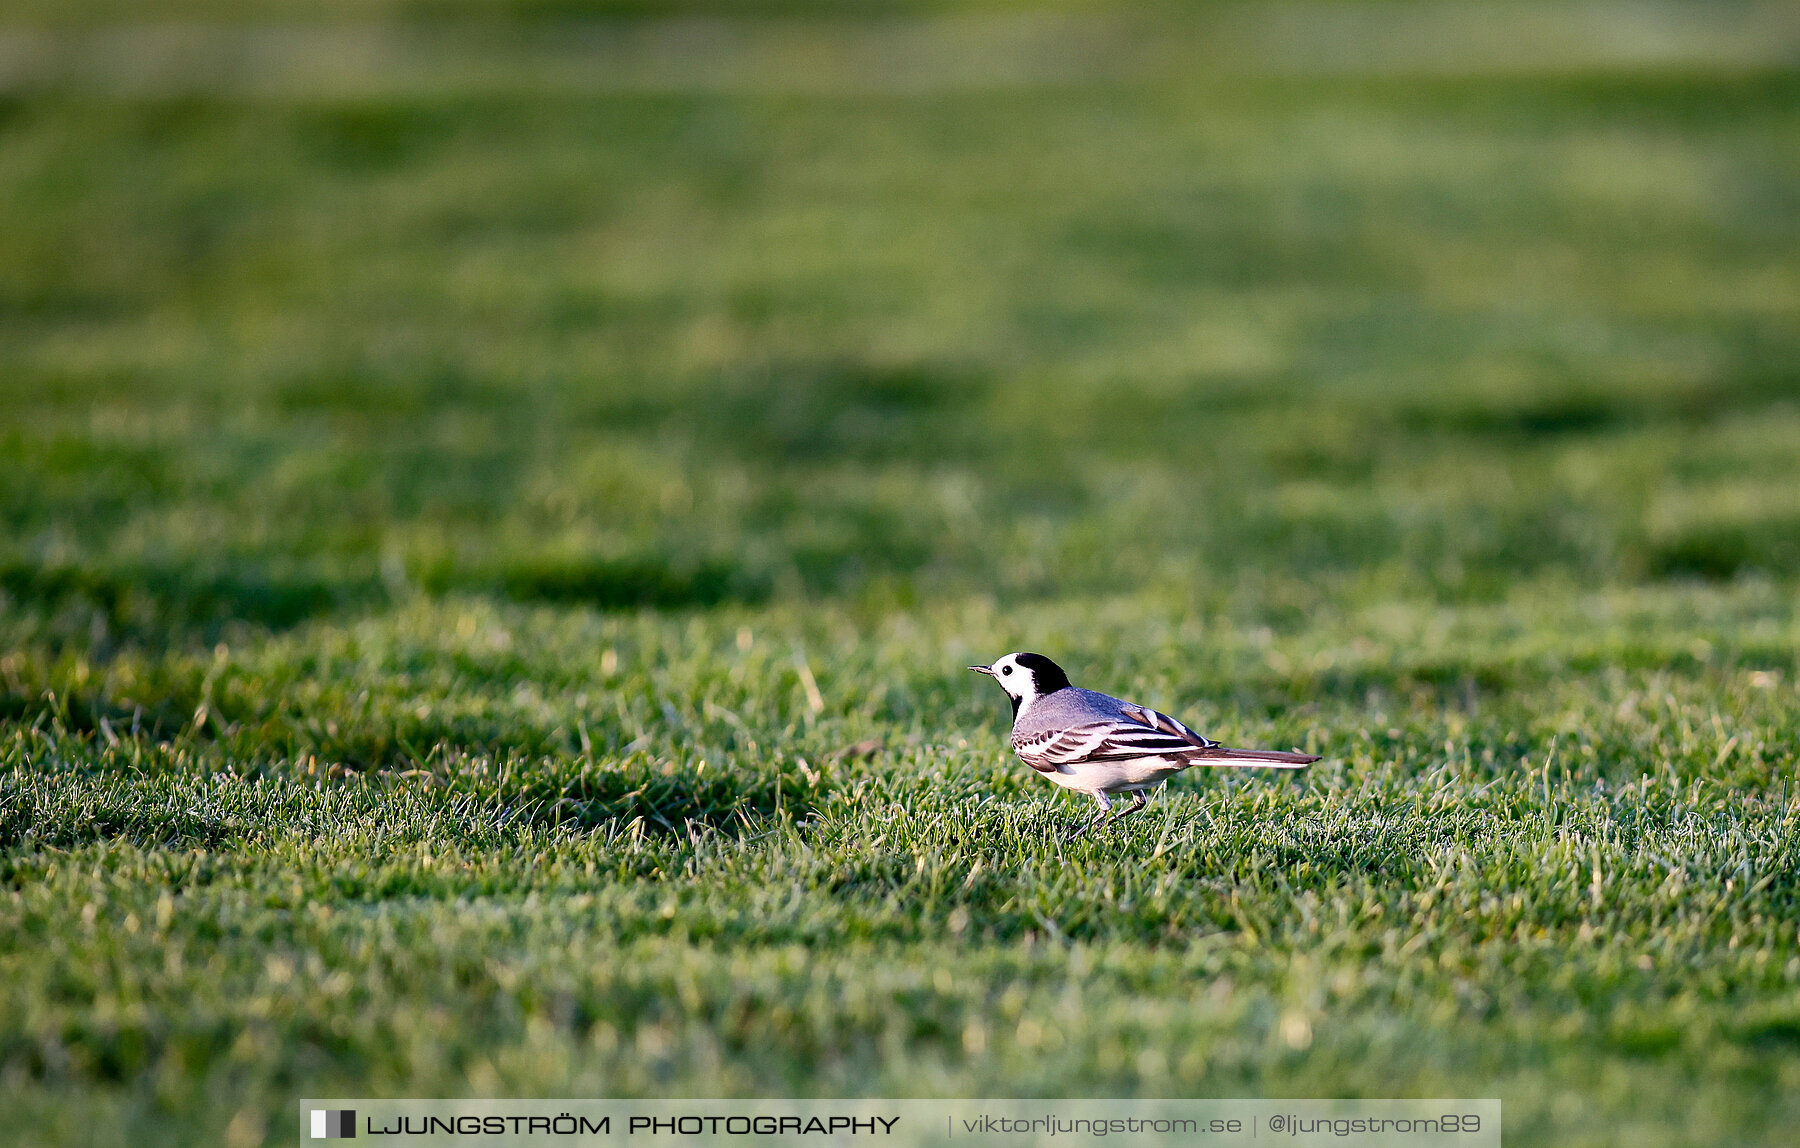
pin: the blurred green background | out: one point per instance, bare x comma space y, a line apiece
732, 302
370, 369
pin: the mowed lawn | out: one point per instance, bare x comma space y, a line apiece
496, 499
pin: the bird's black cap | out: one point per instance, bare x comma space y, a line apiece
1047, 674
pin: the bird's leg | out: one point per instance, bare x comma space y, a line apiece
1139, 800
1098, 819
1105, 812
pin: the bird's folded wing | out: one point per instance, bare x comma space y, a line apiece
1204, 750
1117, 740
1165, 724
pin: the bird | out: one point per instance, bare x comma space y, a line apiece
1104, 746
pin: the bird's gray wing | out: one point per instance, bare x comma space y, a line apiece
1137, 732
1166, 725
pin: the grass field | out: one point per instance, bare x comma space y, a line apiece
496, 497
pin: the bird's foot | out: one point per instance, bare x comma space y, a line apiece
1103, 819
1139, 801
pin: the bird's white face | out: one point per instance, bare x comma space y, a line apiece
1016, 680
1019, 680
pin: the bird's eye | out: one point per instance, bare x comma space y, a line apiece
1006, 669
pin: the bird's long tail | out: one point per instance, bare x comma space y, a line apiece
1221, 755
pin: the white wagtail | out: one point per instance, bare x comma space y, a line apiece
1102, 746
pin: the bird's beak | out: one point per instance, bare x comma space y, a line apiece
988, 670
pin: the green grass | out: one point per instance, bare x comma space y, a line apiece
457, 518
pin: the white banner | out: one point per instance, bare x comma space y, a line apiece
905, 1123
